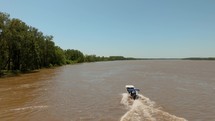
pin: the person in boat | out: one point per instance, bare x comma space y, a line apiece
133, 94
132, 91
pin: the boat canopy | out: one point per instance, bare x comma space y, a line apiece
129, 86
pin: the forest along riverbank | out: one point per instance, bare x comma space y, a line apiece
179, 90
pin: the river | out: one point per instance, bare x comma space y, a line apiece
176, 90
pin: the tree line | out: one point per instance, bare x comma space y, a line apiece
199, 58
25, 48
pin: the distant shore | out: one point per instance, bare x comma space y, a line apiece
190, 58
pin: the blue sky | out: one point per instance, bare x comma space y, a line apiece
131, 28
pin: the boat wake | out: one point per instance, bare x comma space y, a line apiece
30, 107
143, 109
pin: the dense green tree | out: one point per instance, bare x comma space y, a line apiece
16, 42
29, 51
24, 48
4, 19
60, 58
74, 55
49, 51
116, 58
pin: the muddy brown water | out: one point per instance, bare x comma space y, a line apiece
170, 90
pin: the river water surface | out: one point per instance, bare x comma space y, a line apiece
169, 90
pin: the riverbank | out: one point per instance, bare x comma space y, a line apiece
12, 73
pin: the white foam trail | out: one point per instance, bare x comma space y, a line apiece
143, 109
30, 107
126, 100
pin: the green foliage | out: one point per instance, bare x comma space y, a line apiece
4, 18
60, 58
116, 58
90, 58
74, 55
24, 48
198, 58
94, 58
